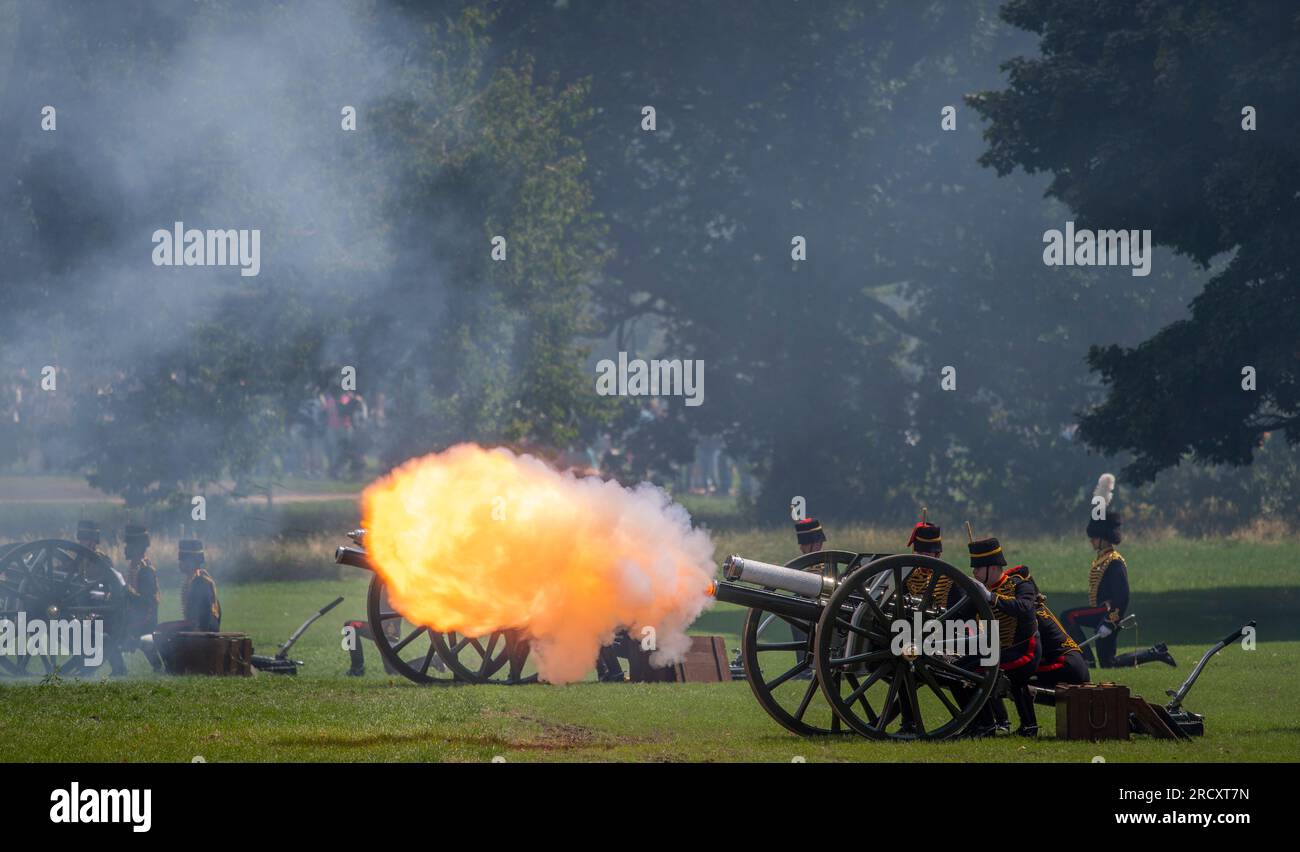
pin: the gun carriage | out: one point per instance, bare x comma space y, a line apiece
842, 608
426, 656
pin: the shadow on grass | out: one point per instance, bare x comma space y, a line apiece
369, 741
1204, 616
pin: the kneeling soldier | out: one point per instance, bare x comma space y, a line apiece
1108, 591
1062, 661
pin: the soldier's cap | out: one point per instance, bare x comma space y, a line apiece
809, 531
986, 551
135, 531
926, 538
191, 546
87, 527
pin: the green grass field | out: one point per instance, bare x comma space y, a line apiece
1186, 592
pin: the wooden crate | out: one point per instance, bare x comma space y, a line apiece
705, 662
1092, 711
217, 654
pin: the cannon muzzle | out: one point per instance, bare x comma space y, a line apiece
354, 556
807, 584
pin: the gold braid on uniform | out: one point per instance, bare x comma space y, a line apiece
1006, 591
185, 597
1098, 570
1070, 644
920, 578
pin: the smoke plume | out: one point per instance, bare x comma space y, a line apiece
475, 540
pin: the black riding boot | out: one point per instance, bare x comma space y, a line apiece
1156, 653
1001, 722
358, 662
1025, 710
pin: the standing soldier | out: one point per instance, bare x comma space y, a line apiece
811, 539
1108, 590
810, 535
88, 536
926, 540
142, 594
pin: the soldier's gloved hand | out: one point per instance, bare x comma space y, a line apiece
1104, 630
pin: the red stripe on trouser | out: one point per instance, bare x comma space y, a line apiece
1074, 615
1051, 667
1020, 661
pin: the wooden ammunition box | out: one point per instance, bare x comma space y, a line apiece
218, 654
1092, 711
705, 662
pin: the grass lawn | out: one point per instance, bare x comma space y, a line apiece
1186, 592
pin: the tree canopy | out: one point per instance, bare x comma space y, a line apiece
1178, 117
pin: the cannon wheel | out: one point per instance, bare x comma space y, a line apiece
407, 649
55, 579
497, 658
421, 654
856, 666
789, 693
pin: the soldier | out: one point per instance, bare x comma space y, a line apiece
811, 539
926, 540
200, 607
810, 535
142, 595
1013, 597
362, 630
1108, 591
88, 536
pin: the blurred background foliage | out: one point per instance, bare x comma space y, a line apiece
774, 119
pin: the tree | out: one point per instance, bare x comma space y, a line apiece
776, 120
1139, 111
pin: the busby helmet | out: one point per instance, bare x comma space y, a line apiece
192, 548
136, 534
809, 531
925, 538
87, 530
1107, 526
986, 551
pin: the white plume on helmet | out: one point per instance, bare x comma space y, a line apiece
1105, 488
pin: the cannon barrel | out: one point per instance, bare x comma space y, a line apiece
805, 610
353, 556
806, 584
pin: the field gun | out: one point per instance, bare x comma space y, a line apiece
843, 613
426, 656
